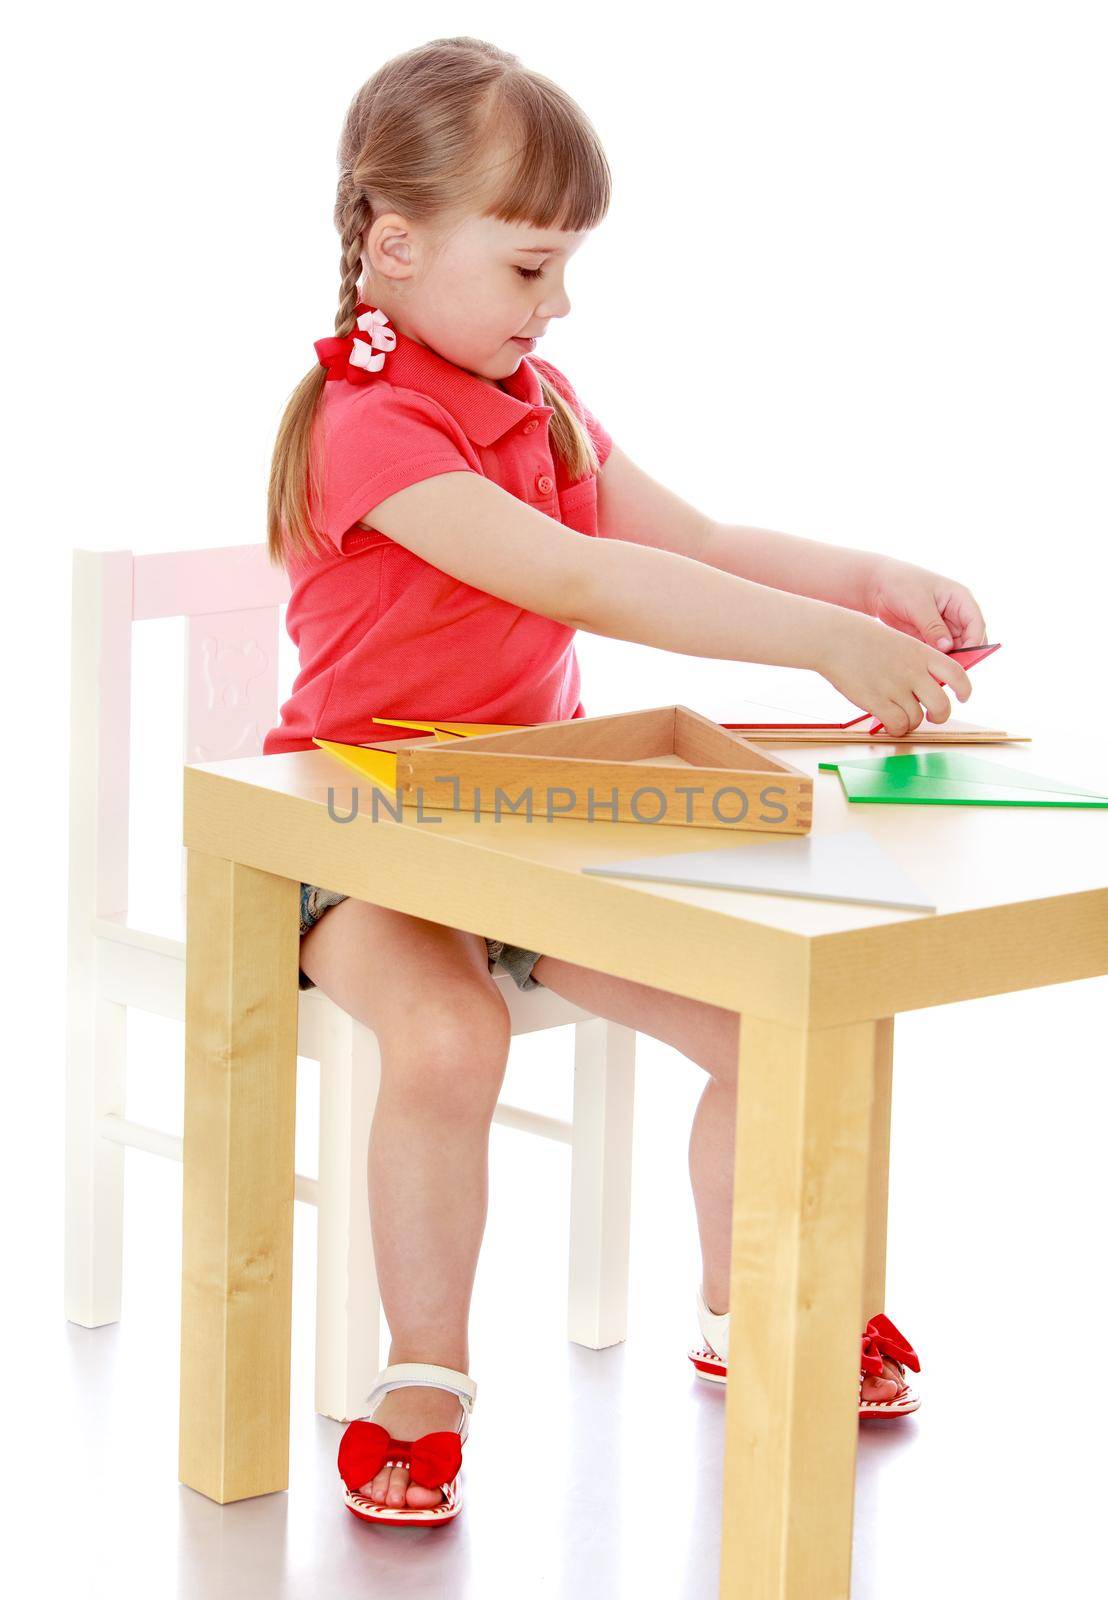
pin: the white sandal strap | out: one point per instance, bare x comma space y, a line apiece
715, 1326
403, 1373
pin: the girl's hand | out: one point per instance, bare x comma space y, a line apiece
925, 604
895, 678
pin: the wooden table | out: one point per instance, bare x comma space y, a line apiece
1022, 902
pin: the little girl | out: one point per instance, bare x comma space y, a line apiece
449, 513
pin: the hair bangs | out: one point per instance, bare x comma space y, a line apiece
551, 171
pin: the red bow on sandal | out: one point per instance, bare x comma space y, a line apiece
365, 1447
881, 1339
434, 1460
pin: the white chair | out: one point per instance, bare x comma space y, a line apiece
232, 600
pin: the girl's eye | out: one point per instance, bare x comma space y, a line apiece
529, 272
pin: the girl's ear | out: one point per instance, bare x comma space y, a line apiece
389, 242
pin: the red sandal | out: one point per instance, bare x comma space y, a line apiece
433, 1460
881, 1339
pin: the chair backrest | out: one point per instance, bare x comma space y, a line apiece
231, 599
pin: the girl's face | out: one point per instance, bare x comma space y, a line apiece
473, 293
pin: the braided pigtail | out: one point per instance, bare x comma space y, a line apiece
293, 474
354, 216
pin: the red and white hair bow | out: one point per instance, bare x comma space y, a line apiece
363, 351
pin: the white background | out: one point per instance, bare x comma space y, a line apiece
852, 286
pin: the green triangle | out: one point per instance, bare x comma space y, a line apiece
879, 786
953, 766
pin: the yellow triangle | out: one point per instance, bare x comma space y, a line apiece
470, 729
380, 765
399, 722
458, 728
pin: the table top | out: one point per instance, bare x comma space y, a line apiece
971, 860
966, 857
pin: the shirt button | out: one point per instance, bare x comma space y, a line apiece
530, 427
544, 483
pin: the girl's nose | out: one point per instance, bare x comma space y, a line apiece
557, 306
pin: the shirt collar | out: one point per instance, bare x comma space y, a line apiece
484, 411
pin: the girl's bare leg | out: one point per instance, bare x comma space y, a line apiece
709, 1036
444, 1034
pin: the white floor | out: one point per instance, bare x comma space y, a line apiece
593, 1474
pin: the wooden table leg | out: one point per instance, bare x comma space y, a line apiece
877, 1196
241, 1014
805, 1103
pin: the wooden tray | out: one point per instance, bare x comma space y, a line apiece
651, 759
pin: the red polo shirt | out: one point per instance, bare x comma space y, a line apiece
380, 631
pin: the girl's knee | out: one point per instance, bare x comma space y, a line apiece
453, 1052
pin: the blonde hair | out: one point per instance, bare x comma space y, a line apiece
418, 139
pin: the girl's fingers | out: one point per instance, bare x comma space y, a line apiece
889, 715
953, 674
935, 703
899, 719
969, 623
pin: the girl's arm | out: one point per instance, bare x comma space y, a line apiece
675, 602
931, 606
468, 526
634, 506
836, 573
473, 529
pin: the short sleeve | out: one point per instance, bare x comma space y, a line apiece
598, 433
373, 440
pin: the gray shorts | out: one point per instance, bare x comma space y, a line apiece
516, 961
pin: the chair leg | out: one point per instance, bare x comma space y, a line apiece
95, 1086
348, 1300
600, 1191
96, 1029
